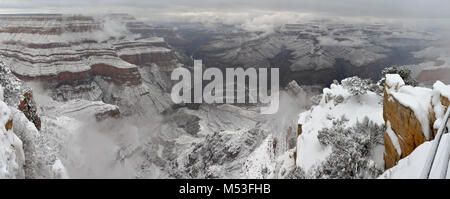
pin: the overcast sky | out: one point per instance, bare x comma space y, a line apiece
214, 8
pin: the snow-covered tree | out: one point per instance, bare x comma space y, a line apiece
13, 87
403, 71
356, 86
351, 148
298, 173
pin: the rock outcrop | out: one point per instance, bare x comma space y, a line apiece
410, 117
29, 108
82, 109
19, 96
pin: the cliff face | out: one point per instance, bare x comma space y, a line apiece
410, 115
72, 49
163, 59
82, 109
406, 126
80, 57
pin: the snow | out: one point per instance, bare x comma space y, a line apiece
42, 147
314, 48
439, 90
394, 81
70, 51
11, 153
354, 108
77, 108
143, 50
259, 160
310, 151
52, 61
411, 166
2, 94
337, 90
5, 115
329, 41
441, 156
262, 163
443, 89
377, 155
100, 29
59, 171
59, 118
393, 138
416, 98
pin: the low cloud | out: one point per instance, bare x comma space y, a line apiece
359, 8
253, 15
268, 22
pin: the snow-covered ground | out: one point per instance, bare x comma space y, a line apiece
412, 166
337, 103
11, 152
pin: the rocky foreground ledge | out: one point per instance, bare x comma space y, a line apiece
412, 116
358, 129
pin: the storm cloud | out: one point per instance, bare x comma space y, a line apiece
262, 15
153, 8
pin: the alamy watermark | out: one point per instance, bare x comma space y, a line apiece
233, 90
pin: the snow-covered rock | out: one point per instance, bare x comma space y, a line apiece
11, 156
412, 166
81, 109
412, 115
11, 150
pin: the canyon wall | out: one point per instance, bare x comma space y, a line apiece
92, 58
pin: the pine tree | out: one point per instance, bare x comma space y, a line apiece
403, 71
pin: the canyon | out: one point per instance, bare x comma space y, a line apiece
76, 58
312, 52
102, 92
89, 96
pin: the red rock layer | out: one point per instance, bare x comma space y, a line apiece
118, 76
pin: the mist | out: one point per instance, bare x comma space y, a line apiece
110, 148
